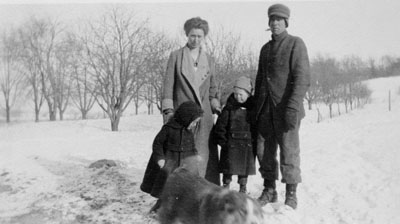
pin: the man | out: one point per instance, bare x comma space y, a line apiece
282, 81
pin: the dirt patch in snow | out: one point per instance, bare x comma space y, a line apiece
85, 195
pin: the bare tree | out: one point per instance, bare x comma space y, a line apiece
391, 65
40, 38
29, 36
315, 89
136, 90
223, 47
373, 68
44, 50
353, 71
157, 57
32, 77
64, 67
114, 47
82, 95
386, 66
248, 64
340, 82
362, 94
10, 75
328, 72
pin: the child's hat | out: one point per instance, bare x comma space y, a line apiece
244, 82
187, 112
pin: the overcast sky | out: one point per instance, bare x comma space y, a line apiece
366, 28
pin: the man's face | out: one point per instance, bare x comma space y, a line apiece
277, 25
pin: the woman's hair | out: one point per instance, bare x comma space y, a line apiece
196, 23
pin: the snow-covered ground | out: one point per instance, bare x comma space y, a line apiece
350, 168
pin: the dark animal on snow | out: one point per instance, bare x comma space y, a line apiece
190, 199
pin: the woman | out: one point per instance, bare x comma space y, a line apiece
190, 76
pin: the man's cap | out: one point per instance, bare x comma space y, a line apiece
279, 10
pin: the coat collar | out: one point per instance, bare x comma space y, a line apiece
174, 124
194, 78
280, 37
231, 103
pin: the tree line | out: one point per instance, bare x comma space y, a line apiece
118, 60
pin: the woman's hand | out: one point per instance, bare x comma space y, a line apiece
215, 106
161, 163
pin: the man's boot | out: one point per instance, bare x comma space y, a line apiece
269, 194
291, 198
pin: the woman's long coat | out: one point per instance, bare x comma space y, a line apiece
174, 144
233, 132
182, 83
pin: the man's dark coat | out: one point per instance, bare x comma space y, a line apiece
283, 74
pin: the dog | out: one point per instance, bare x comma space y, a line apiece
190, 199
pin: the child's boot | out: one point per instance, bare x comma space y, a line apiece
226, 180
226, 185
155, 207
243, 189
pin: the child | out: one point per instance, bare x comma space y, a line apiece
173, 147
233, 134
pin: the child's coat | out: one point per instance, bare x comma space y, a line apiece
175, 144
233, 132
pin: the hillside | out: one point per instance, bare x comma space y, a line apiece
350, 168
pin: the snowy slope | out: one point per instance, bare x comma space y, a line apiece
350, 168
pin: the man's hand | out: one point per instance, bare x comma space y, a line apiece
291, 118
215, 106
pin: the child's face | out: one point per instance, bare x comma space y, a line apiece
241, 95
193, 124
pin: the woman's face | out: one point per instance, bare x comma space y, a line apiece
277, 25
195, 38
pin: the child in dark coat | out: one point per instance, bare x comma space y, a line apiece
233, 132
173, 147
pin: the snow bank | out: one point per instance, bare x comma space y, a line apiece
349, 165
